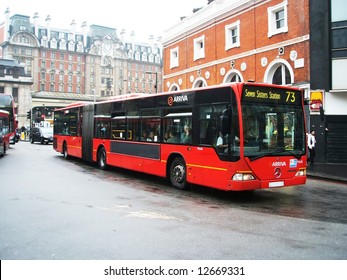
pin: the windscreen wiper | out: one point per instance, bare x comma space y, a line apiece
279, 150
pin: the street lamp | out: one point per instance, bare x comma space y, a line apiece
156, 79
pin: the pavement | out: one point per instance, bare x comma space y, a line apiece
335, 172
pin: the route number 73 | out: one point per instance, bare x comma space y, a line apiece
290, 96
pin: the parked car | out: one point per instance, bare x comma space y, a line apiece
42, 135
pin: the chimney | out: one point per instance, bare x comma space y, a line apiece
36, 24
48, 27
73, 26
7, 25
132, 36
84, 32
122, 35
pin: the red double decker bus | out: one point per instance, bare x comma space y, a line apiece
7, 104
239, 136
4, 127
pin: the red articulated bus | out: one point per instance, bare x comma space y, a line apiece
238, 136
7, 104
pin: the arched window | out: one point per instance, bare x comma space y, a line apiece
199, 83
174, 87
233, 76
281, 76
279, 72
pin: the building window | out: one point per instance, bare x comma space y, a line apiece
199, 47
71, 46
53, 43
338, 70
232, 35
279, 72
281, 76
277, 19
15, 94
44, 43
24, 40
174, 60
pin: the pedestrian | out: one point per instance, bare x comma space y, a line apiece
311, 143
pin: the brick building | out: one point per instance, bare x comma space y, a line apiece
70, 65
234, 40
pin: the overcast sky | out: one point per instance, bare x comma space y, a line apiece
144, 17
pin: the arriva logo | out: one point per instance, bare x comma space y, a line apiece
278, 163
179, 98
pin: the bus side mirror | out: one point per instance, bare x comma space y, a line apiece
226, 122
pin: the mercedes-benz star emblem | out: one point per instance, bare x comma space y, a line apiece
277, 172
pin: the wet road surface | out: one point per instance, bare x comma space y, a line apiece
51, 208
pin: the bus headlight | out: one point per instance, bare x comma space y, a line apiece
301, 172
243, 177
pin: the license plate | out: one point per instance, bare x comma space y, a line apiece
276, 184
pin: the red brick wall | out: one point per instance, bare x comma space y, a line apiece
254, 46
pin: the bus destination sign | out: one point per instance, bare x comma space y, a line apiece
265, 94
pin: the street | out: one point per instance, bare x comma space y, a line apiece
51, 208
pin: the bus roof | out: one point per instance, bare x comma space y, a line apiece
238, 85
74, 105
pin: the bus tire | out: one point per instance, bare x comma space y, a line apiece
178, 173
102, 159
65, 153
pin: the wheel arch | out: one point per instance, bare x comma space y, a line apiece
101, 147
170, 160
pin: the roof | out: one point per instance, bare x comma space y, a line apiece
9, 63
62, 95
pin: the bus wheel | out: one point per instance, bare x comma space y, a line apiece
65, 154
178, 173
102, 159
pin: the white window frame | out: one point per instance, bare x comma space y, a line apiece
199, 47
271, 11
229, 35
174, 57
